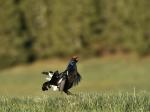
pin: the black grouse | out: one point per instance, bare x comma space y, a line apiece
65, 80
71, 76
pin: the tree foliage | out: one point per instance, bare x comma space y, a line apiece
32, 29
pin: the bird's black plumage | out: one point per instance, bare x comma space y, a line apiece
72, 76
65, 80
54, 80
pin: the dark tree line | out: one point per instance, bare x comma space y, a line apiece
37, 29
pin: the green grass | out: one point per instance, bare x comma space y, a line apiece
81, 102
108, 85
98, 75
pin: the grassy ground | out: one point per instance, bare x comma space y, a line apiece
82, 102
97, 75
108, 85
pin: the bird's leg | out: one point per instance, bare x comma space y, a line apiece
68, 92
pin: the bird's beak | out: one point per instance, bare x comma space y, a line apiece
77, 59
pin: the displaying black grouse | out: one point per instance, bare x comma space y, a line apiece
65, 80
72, 76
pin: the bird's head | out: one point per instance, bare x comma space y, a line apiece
75, 58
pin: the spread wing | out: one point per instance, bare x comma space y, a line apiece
77, 79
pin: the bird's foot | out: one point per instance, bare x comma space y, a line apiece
69, 93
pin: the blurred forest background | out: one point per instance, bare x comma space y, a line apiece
39, 29
111, 37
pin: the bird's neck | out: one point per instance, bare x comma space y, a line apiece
71, 66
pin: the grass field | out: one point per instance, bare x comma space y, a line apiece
108, 85
112, 75
82, 102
